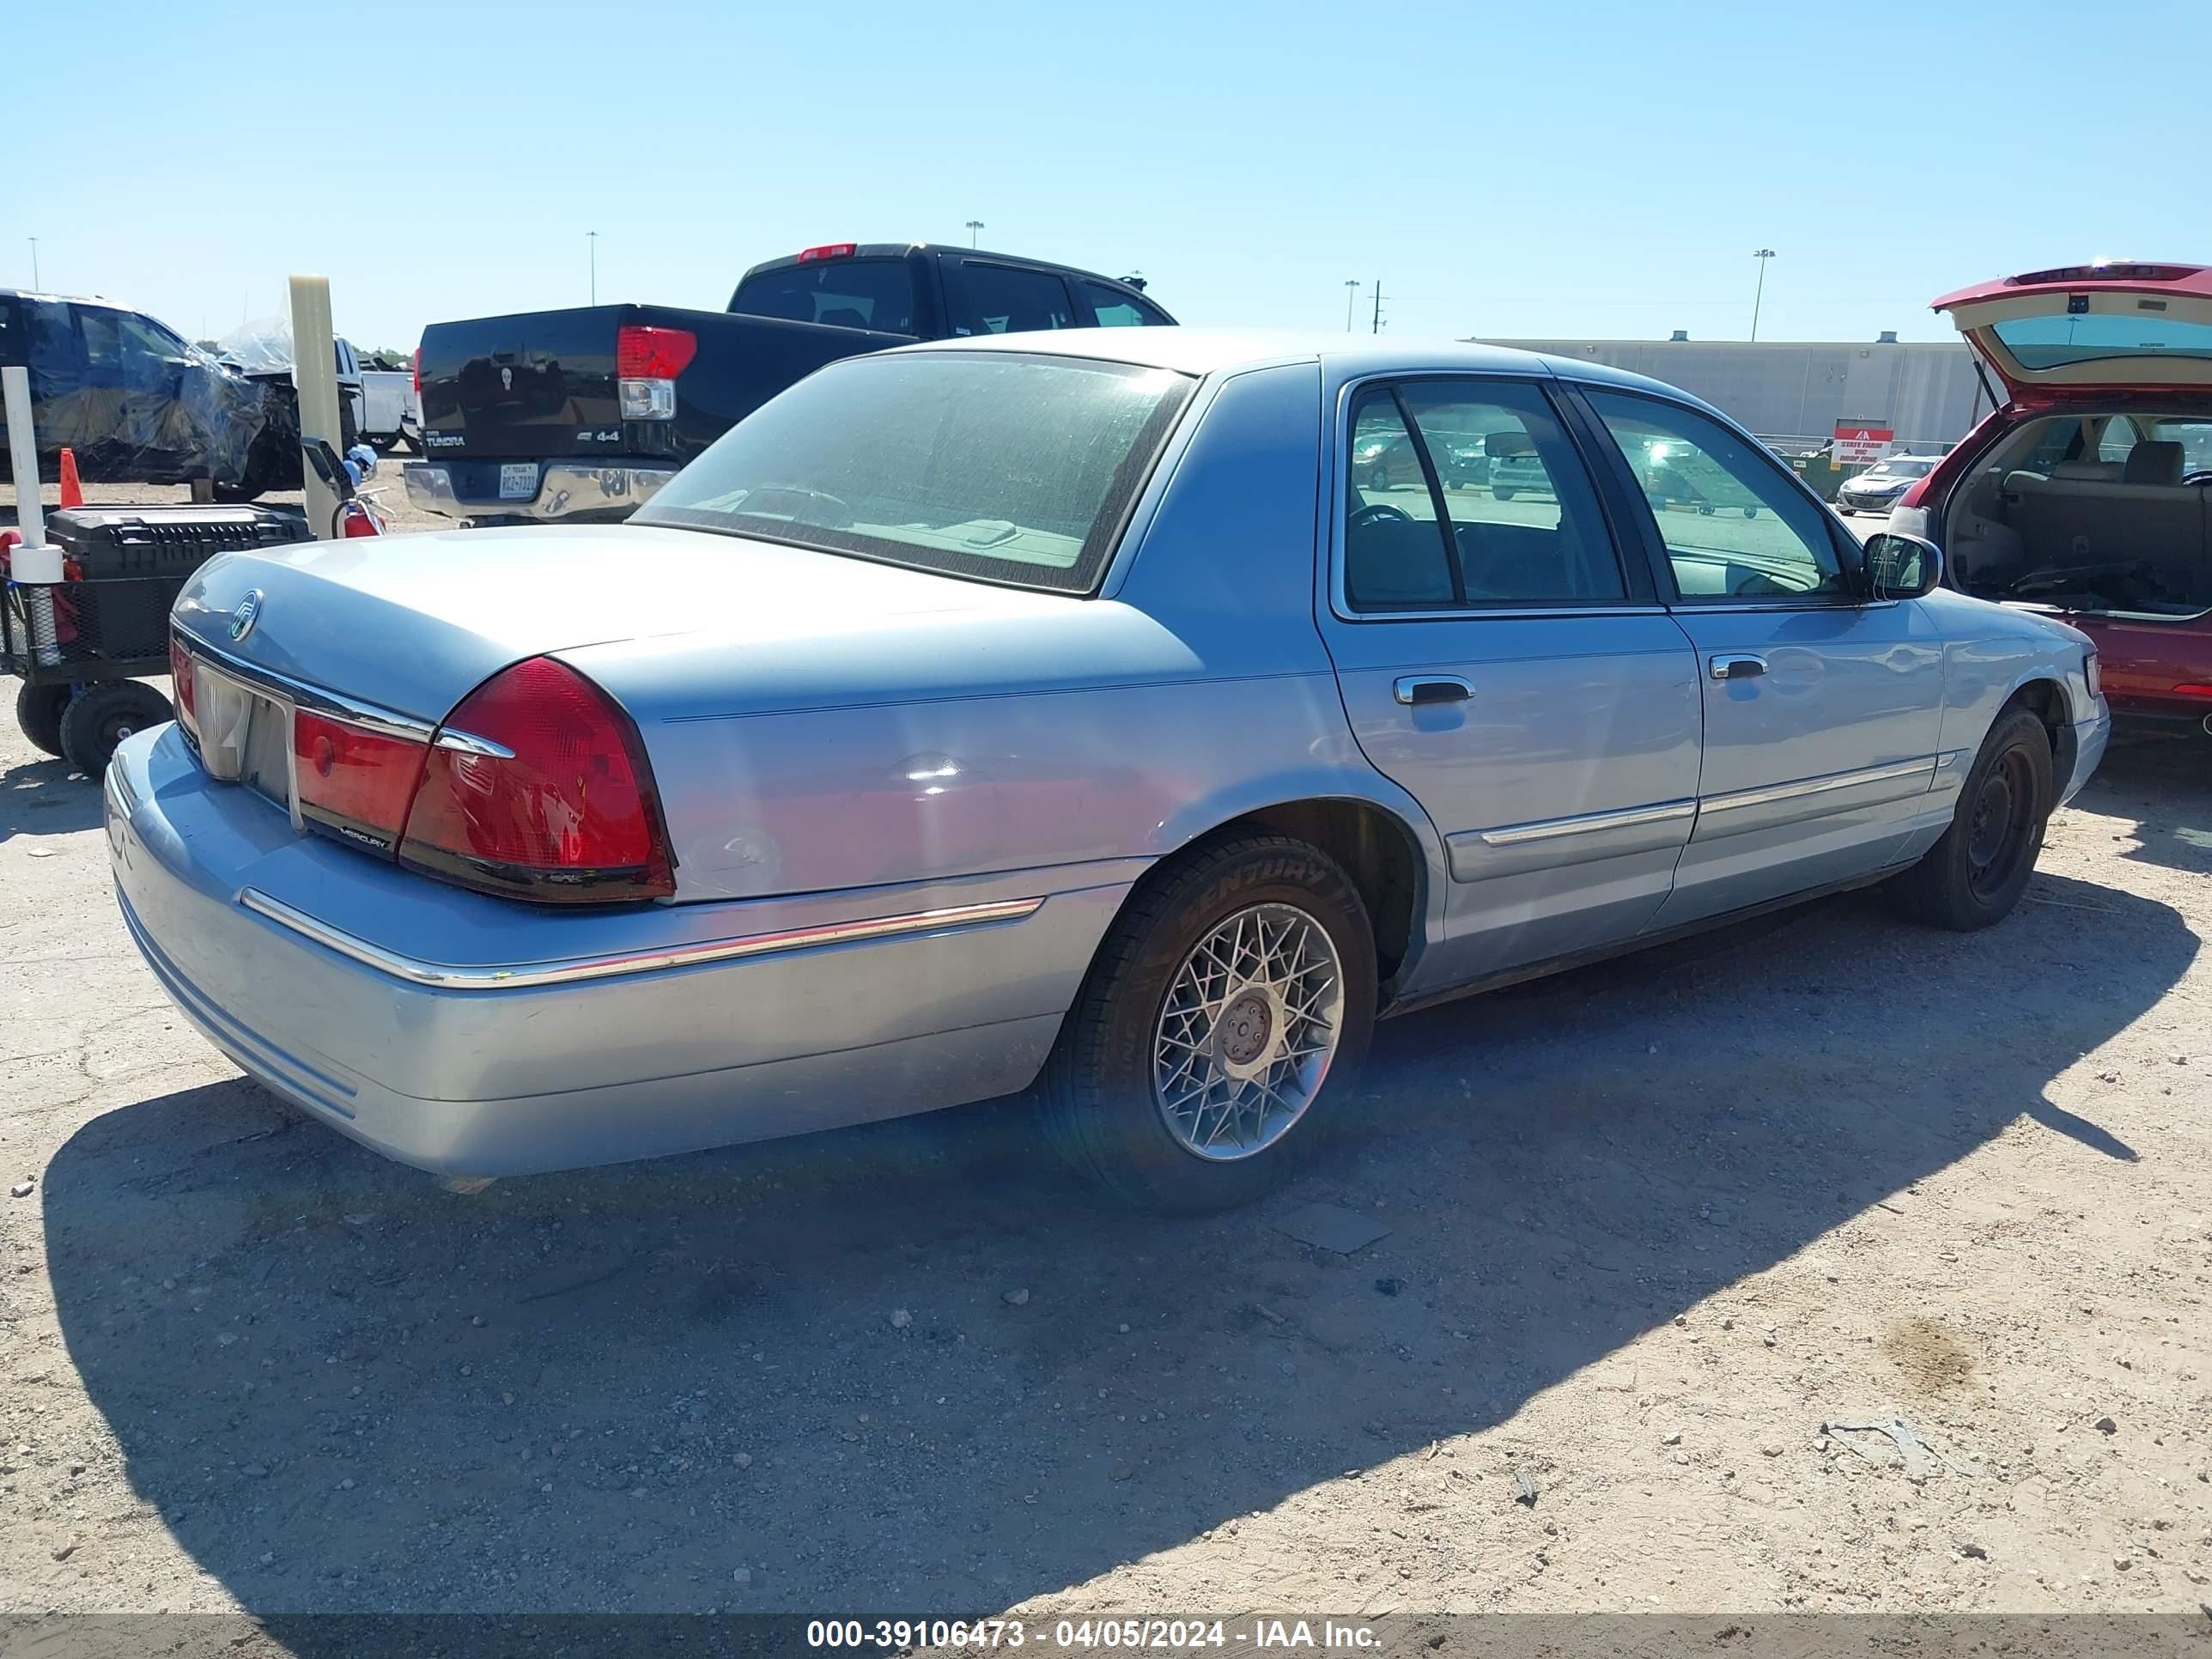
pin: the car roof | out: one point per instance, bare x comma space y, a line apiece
1344, 357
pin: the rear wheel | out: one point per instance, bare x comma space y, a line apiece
1379, 478
39, 713
1974, 875
1498, 495
1218, 1023
101, 716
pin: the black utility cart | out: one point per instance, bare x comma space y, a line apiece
84, 648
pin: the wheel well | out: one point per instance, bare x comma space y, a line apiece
1376, 851
2046, 700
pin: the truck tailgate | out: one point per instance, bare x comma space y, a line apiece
539, 384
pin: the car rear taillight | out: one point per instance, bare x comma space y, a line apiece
827, 251
183, 691
2189, 689
415, 368
646, 363
537, 787
354, 779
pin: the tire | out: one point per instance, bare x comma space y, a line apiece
101, 716
1100, 1102
1379, 478
1973, 876
1497, 494
1843, 510
1751, 513
39, 713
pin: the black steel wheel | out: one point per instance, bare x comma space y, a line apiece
1975, 874
102, 716
39, 713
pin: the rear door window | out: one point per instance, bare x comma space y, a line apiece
1111, 307
877, 294
995, 299
1469, 494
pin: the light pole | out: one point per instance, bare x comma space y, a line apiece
1351, 299
1761, 254
974, 226
34, 262
592, 242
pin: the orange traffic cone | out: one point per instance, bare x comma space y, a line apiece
72, 490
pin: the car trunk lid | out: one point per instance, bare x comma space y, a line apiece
2053, 335
416, 623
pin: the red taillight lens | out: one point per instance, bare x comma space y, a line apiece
353, 779
2192, 690
827, 251
653, 353
182, 689
415, 368
537, 786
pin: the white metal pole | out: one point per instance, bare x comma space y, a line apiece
35, 565
315, 372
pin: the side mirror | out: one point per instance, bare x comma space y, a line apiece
1900, 566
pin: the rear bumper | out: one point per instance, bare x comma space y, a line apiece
475, 1068
566, 490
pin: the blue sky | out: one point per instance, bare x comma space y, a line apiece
1546, 169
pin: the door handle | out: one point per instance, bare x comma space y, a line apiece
1415, 689
1742, 667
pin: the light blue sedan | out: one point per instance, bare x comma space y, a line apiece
1057, 711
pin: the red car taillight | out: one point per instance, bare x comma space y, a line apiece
538, 786
353, 779
180, 674
415, 368
646, 363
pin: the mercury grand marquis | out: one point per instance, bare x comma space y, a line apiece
1060, 713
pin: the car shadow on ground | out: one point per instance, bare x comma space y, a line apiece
2163, 781
916, 1366
46, 797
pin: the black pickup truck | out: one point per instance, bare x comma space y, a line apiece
561, 415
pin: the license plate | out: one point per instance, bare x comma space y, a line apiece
518, 480
245, 738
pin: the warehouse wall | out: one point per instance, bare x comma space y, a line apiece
1928, 392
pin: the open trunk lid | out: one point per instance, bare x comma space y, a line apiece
2091, 329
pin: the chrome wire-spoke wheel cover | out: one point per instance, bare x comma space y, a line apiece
1247, 1031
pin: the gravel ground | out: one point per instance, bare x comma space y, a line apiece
1649, 1227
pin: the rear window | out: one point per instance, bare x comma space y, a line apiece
1002, 466
2055, 342
876, 293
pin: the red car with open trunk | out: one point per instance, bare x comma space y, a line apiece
2089, 493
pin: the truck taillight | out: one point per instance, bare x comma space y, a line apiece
827, 251
537, 787
415, 368
647, 360
354, 779
183, 693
